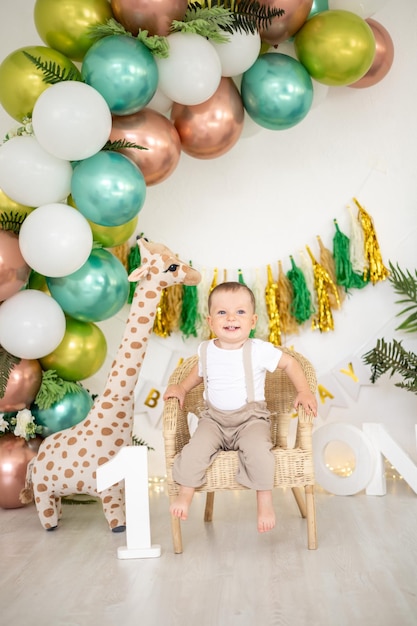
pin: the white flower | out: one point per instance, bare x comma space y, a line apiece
24, 419
4, 425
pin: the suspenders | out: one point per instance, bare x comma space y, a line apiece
247, 364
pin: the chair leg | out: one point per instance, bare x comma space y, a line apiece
299, 498
208, 511
176, 533
311, 518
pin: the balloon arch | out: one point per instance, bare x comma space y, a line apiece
196, 99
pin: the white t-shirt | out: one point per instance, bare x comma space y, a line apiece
226, 375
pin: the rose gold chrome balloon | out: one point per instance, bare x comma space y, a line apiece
154, 16
14, 271
22, 386
384, 57
157, 134
284, 27
212, 128
15, 454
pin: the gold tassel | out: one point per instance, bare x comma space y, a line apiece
327, 261
272, 309
284, 300
121, 252
377, 270
212, 286
323, 320
173, 307
160, 325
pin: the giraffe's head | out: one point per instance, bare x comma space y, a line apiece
160, 265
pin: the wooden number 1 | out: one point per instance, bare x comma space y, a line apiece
131, 465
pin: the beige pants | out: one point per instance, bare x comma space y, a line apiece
246, 430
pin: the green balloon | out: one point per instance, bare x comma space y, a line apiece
336, 47
21, 82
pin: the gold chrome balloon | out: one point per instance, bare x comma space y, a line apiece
21, 82
65, 25
336, 47
80, 354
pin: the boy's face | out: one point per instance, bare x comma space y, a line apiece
231, 317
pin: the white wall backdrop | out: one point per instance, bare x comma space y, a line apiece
270, 196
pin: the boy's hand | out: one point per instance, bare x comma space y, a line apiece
308, 401
175, 391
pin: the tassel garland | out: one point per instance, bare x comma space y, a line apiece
309, 290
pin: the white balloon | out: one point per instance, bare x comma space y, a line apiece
55, 240
363, 8
71, 120
31, 176
192, 71
160, 102
32, 324
239, 53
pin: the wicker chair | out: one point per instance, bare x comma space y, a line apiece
293, 466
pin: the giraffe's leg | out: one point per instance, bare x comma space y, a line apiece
58, 504
47, 510
113, 500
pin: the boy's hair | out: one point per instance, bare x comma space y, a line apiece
231, 286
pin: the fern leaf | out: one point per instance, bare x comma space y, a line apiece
205, 22
391, 358
405, 284
121, 144
53, 389
157, 45
110, 27
138, 441
52, 72
12, 220
7, 363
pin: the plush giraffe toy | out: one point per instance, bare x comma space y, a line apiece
66, 462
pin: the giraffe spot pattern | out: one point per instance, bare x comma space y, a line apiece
95, 431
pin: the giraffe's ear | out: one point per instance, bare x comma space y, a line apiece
138, 273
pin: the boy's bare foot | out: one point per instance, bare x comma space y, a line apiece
266, 513
179, 508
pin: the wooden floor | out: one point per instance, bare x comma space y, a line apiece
364, 571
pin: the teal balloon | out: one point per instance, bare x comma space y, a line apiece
70, 410
318, 6
277, 91
108, 188
95, 292
123, 70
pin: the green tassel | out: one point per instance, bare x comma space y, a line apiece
189, 311
301, 306
242, 282
345, 276
133, 261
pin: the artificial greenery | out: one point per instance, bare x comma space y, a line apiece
52, 72
53, 388
12, 220
7, 363
136, 441
156, 44
392, 357
121, 144
222, 17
